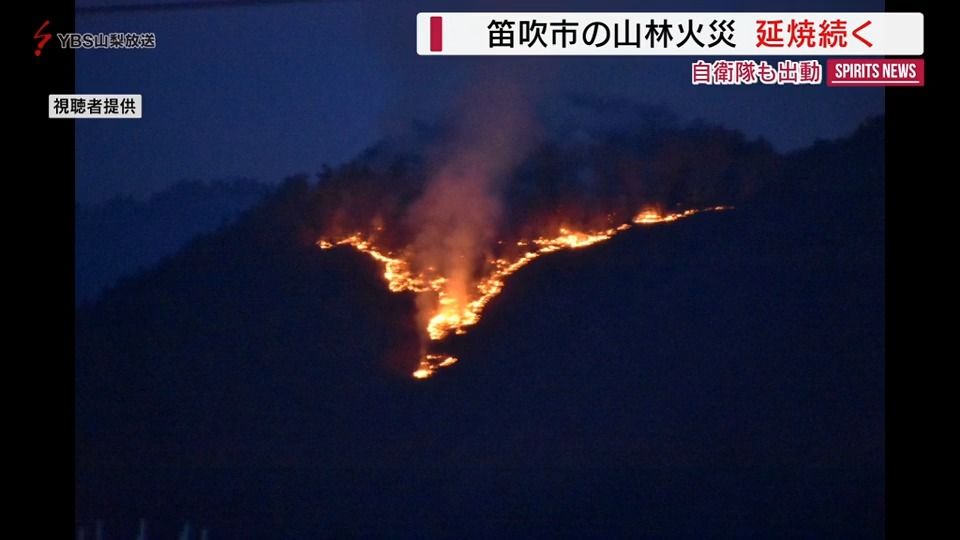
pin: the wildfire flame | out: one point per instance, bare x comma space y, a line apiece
430, 363
453, 313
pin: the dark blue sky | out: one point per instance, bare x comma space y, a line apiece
269, 91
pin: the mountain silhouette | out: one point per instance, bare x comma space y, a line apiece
121, 236
720, 376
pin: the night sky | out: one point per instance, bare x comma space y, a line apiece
269, 91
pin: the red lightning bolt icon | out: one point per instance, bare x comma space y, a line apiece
43, 37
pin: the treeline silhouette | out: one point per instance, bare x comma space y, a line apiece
123, 235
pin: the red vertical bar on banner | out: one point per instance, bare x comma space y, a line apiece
436, 34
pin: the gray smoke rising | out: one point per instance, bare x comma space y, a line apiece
455, 220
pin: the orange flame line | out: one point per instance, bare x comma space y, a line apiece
450, 317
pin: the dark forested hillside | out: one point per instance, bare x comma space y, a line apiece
121, 236
721, 376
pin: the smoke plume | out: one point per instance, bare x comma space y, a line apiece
456, 220
451, 211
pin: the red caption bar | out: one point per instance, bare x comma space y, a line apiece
436, 34
874, 72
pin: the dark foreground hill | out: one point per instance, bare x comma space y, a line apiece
120, 237
721, 376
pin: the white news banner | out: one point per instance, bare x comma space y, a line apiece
672, 34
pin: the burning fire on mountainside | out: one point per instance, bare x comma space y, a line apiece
451, 219
452, 303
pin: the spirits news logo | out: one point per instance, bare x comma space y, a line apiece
99, 40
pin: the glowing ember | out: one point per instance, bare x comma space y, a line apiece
649, 217
431, 363
455, 311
